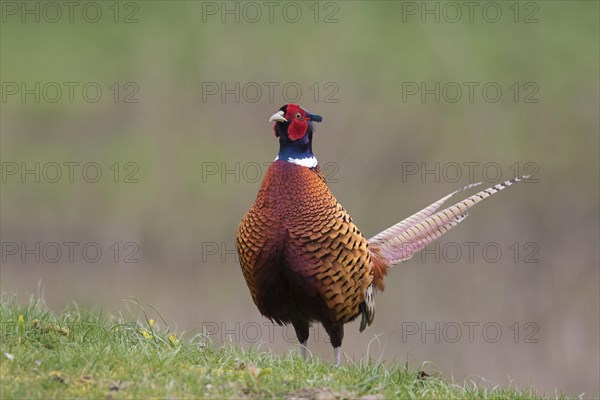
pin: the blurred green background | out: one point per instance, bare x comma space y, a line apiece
179, 219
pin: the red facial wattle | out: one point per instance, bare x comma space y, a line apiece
297, 129
297, 120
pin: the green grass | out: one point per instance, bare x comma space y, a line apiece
78, 354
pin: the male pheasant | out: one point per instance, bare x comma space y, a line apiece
303, 258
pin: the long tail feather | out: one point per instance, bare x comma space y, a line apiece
403, 225
404, 239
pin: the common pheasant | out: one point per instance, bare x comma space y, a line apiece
303, 258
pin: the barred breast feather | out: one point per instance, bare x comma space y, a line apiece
301, 255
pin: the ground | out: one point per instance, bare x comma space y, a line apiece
80, 354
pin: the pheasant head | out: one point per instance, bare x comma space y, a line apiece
294, 128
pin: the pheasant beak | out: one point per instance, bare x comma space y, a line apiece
278, 117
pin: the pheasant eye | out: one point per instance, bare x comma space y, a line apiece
298, 116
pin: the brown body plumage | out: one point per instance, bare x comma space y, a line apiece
303, 258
